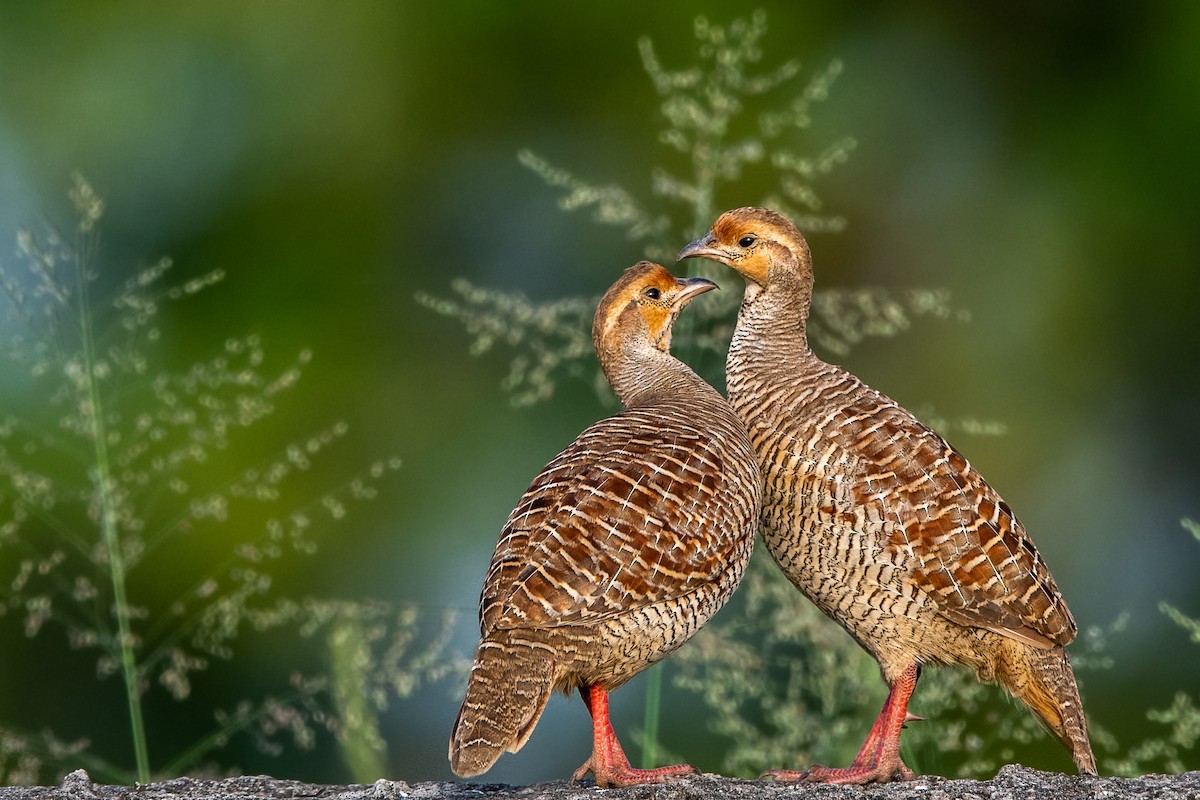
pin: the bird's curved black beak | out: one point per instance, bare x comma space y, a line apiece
704, 247
690, 287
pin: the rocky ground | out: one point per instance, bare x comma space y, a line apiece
1011, 783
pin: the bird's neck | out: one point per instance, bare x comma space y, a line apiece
640, 372
776, 318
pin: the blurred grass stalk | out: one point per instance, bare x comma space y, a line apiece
651, 715
363, 749
105, 484
80, 517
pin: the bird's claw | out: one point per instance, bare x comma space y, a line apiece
578, 774
853, 774
785, 775
617, 776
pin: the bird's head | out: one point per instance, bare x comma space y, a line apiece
760, 243
643, 305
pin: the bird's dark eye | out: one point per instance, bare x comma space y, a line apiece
652, 292
746, 241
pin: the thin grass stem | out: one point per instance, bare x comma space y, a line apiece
106, 499
651, 716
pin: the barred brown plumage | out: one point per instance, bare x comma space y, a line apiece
879, 521
622, 547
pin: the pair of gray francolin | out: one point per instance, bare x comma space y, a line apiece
640, 530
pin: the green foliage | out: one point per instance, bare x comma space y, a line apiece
362, 745
708, 120
115, 470
551, 339
1189, 624
377, 655
1175, 750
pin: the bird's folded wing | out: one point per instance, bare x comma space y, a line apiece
961, 542
632, 513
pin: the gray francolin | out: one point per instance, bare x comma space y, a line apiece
879, 521
624, 545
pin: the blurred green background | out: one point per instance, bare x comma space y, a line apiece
1038, 160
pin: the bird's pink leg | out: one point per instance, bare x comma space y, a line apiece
608, 762
878, 760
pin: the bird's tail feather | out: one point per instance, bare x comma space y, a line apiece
1046, 683
506, 694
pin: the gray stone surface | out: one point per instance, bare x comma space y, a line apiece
1011, 783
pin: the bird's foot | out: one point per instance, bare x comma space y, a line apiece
878, 760
881, 771
616, 775
608, 763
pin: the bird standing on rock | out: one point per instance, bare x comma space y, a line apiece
624, 545
879, 521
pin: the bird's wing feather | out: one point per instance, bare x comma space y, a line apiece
965, 547
637, 510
